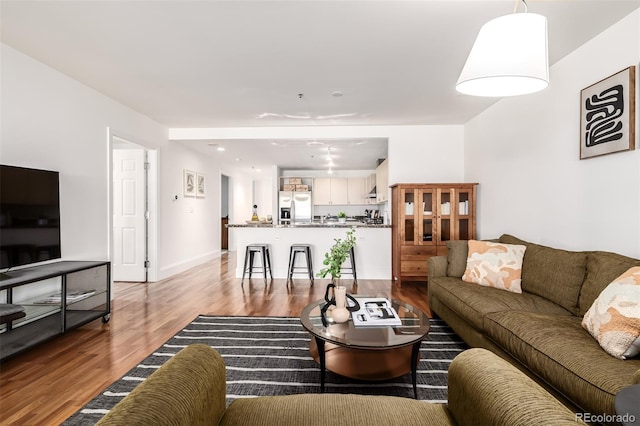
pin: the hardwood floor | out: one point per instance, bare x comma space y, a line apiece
52, 381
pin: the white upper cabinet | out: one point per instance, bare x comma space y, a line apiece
357, 193
382, 181
339, 191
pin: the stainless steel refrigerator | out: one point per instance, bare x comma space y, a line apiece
295, 207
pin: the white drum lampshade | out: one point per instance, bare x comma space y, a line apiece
508, 58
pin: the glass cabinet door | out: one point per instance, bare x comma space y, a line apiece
445, 216
408, 199
427, 225
464, 225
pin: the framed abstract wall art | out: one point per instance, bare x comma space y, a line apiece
607, 115
189, 182
200, 185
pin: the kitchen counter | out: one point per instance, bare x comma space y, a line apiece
309, 225
372, 250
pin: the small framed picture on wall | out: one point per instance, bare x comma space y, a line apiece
200, 185
607, 115
189, 181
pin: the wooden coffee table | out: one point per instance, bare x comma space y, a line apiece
379, 353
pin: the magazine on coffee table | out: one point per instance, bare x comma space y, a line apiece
375, 312
72, 296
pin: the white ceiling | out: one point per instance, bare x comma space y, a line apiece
244, 63
295, 154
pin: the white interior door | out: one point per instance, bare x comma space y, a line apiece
129, 215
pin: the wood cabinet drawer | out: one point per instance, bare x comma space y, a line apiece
418, 250
414, 267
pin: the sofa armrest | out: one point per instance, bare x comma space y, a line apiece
437, 266
188, 389
485, 389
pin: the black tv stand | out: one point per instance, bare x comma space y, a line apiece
82, 294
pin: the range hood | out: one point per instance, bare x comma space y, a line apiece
372, 193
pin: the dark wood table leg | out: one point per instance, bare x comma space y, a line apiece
321, 355
415, 354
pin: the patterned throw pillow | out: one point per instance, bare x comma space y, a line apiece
495, 265
614, 318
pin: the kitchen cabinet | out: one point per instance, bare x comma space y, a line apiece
370, 182
382, 182
339, 191
329, 191
424, 217
356, 190
321, 191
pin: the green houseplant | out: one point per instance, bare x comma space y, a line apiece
335, 294
342, 217
337, 254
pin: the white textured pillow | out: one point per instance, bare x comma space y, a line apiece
495, 265
614, 318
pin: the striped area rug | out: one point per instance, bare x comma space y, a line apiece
270, 356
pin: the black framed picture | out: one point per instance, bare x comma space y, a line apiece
607, 115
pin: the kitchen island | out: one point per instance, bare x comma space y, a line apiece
372, 251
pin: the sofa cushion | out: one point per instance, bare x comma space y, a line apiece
326, 409
457, 257
602, 268
554, 274
561, 352
495, 265
614, 318
472, 302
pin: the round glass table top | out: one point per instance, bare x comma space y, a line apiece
415, 327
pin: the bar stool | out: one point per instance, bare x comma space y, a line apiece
249, 254
293, 251
352, 269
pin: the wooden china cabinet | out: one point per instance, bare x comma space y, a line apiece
424, 217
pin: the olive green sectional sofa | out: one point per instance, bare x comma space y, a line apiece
483, 390
540, 329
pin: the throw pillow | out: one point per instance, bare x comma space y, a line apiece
495, 265
457, 252
614, 318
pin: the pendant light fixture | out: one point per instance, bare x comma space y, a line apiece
508, 58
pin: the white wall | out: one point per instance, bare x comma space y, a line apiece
525, 153
51, 121
190, 227
263, 196
241, 201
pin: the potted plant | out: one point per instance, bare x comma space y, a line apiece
342, 217
336, 256
333, 260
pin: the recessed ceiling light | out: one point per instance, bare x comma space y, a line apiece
220, 148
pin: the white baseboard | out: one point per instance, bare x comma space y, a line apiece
178, 267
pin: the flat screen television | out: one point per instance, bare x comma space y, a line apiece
29, 216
